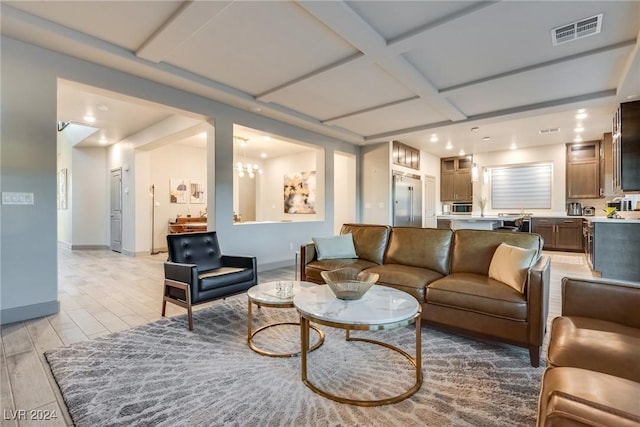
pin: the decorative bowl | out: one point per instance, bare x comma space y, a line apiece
349, 283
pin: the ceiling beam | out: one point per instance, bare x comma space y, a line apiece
190, 17
345, 22
368, 110
629, 81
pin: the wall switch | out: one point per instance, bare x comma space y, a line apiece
11, 198
291, 246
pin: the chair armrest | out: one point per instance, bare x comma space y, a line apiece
307, 254
538, 284
239, 261
609, 300
187, 273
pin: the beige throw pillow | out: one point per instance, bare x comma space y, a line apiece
510, 265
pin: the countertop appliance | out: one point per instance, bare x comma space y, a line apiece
407, 200
574, 209
461, 208
588, 211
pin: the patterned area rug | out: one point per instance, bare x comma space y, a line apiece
161, 374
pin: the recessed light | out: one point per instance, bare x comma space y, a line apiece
513, 146
263, 155
461, 152
434, 137
266, 138
475, 129
582, 110
102, 107
581, 116
632, 96
486, 138
578, 138
202, 134
449, 146
103, 140
89, 119
579, 129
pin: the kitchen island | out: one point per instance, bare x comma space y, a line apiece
474, 222
616, 251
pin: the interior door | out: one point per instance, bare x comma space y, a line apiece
116, 210
430, 201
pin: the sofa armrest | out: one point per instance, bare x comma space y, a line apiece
609, 300
307, 254
538, 284
186, 273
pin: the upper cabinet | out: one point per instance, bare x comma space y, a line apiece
455, 179
584, 170
626, 147
404, 155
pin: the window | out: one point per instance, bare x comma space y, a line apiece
521, 187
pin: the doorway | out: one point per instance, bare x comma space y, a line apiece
344, 190
115, 243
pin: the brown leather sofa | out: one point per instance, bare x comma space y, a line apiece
447, 271
593, 373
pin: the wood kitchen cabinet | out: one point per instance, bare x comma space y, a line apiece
455, 179
584, 164
559, 233
626, 147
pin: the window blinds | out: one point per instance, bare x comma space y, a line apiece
521, 187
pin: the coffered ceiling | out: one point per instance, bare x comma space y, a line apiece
367, 71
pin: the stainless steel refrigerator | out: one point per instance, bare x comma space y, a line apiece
407, 200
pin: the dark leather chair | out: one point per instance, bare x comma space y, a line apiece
197, 272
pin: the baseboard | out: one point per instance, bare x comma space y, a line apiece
26, 312
273, 265
64, 245
89, 247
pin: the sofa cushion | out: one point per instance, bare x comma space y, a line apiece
370, 241
511, 264
576, 397
313, 269
335, 247
594, 344
420, 247
473, 250
412, 280
478, 293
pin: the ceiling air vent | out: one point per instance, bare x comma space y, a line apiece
577, 30
550, 130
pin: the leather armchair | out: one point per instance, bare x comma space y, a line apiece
197, 272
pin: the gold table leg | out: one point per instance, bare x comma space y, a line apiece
252, 333
415, 361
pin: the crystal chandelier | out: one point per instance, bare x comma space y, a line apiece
246, 168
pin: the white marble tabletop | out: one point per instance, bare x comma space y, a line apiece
265, 293
381, 305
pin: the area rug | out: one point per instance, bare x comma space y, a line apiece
161, 374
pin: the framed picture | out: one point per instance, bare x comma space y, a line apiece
300, 193
62, 189
177, 191
196, 192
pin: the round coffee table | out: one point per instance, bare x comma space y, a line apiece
264, 295
381, 308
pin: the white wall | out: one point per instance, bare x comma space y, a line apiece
28, 161
376, 184
554, 154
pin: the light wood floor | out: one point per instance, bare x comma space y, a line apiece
101, 292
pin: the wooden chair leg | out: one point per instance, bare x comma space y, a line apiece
164, 306
189, 311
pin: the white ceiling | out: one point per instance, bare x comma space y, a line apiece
361, 71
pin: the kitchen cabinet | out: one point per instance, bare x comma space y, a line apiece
455, 179
584, 177
559, 233
404, 155
626, 147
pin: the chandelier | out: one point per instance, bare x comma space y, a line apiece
245, 168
